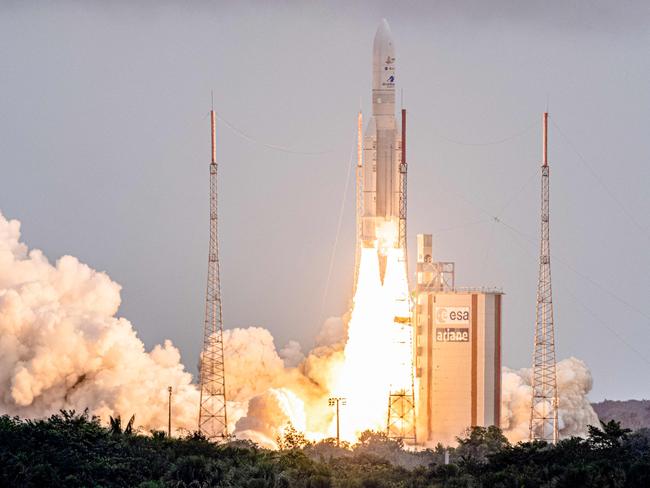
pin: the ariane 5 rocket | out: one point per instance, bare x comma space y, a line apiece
381, 177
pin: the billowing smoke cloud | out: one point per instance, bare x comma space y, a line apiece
61, 347
269, 413
575, 413
292, 354
267, 393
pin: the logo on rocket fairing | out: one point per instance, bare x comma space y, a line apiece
389, 66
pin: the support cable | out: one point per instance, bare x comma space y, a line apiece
338, 231
600, 181
498, 220
585, 277
585, 307
494, 142
275, 147
488, 143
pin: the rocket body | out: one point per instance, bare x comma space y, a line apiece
381, 152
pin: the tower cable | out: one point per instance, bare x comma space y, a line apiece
595, 175
337, 234
275, 147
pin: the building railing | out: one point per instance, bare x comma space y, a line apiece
462, 289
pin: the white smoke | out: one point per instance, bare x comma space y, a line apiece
269, 413
575, 413
252, 363
292, 354
267, 394
332, 332
61, 347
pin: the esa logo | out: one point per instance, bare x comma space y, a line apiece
452, 315
452, 335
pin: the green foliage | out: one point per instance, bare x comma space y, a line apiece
609, 436
115, 425
74, 450
291, 438
479, 442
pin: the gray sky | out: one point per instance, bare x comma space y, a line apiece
104, 143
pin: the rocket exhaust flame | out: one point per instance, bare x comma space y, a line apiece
377, 355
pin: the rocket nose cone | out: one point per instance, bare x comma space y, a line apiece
383, 59
383, 35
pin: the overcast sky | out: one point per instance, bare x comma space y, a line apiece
104, 152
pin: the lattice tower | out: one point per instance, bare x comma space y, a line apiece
212, 412
401, 402
543, 414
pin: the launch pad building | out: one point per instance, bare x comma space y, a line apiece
457, 352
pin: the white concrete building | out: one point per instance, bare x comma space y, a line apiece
457, 352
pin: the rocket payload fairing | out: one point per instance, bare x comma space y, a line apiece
383, 198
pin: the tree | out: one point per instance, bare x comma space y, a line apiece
479, 443
291, 438
609, 436
115, 424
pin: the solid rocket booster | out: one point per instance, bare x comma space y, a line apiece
381, 151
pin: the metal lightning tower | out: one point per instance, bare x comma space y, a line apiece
401, 412
401, 401
212, 412
543, 413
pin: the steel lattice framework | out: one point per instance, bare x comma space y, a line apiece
543, 414
401, 403
401, 416
212, 412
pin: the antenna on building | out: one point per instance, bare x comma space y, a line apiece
212, 411
543, 413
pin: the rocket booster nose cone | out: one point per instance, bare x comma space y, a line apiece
383, 34
383, 59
